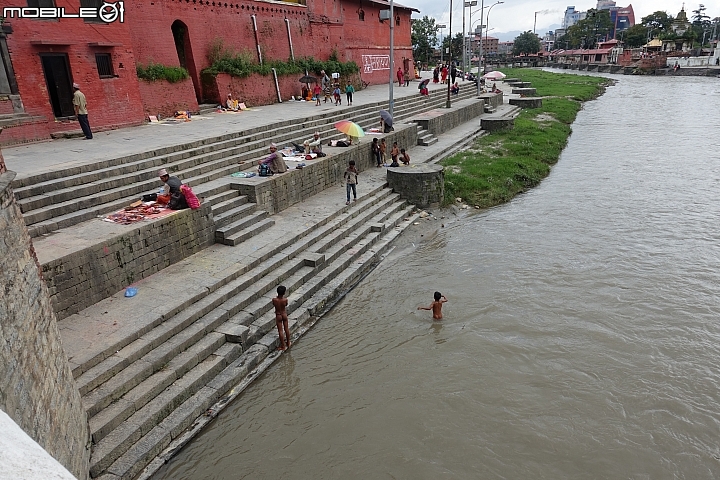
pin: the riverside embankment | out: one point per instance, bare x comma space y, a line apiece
507, 162
580, 340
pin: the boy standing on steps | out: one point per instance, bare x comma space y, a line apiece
281, 318
351, 180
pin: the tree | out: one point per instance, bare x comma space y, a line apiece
457, 44
424, 38
526, 43
659, 23
635, 36
699, 17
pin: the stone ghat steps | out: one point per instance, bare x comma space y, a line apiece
205, 402
63, 202
236, 220
154, 384
135, 166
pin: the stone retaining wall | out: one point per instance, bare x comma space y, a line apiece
275, 194
441, 120
83, 278
37, 389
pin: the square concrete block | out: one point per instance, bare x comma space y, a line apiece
234, 333
313, 259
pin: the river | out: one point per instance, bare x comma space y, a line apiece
581, 338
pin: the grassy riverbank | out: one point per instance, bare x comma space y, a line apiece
502, 164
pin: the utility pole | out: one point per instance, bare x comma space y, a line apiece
465, 47
535, 23
392, 67
442, 44
480, 55
447, 102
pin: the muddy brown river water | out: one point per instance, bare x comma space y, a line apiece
581, 339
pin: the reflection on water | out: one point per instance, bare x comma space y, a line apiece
580, 339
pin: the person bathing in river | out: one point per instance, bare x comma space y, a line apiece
436, 306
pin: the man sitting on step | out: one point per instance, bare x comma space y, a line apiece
314, 145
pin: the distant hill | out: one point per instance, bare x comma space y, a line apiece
510, 36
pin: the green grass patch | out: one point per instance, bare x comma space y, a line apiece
502, 164
548, 84
155, 71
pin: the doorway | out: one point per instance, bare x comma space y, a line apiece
185, 55
59, 84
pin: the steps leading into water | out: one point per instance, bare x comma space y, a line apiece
141, 393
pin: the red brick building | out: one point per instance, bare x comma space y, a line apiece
43, 57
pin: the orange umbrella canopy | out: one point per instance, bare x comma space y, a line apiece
350, 128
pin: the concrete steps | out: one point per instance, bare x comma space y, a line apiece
149, 389
61, 199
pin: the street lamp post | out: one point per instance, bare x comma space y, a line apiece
487, 21
466, 5
392, 72
447, 102
442, 44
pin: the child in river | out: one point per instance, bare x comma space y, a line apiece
281, 318
436, 306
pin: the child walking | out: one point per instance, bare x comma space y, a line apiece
436, 306
316, 93
336, 95
351, 180
281, 318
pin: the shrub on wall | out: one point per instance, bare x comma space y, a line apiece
155, 71
243, 64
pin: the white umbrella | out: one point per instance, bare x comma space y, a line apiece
495, 75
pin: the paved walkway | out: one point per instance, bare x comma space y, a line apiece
37, 158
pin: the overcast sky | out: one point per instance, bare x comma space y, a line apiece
520, 14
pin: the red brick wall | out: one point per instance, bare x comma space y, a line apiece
260, 89
165, 98
6, 106
316, 30
111, 102
146, 36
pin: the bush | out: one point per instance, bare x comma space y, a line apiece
155, 71
243, 64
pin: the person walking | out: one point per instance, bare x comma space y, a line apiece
349, 90
80, 104
351, 181
453, 72
399, 75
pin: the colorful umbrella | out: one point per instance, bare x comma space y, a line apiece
349, 128
494, 75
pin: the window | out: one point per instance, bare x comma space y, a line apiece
96, 4
41, 3
397, 20
361, 15
104, 65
